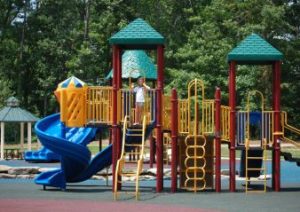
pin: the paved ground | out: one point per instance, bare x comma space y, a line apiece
94, 195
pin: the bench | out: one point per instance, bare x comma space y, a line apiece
13, 153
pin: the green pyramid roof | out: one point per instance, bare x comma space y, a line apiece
136, 33
13, 113
136, 63
254, 49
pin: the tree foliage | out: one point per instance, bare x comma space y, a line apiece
43, 42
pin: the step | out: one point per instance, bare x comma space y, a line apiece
255, 169
133, 145
135, 129
256, 180
128, 174
133, 153
134, 135
255, 158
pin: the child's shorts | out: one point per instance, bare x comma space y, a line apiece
139, 104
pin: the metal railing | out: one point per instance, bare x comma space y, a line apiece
287, 127
166, 112
99, 105
243, 126
225, 123
183, 126
128, 104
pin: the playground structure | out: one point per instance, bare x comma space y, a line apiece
196, 125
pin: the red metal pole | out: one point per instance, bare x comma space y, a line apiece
159, 107
232, 103
277, 126
115, 109
110, 136
218, 139
273, 106
152, 151
174, 135
119, 85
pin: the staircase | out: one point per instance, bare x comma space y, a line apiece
253, 156
133, 143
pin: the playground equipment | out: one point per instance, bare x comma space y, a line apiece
195, 126
41, 155
133, 138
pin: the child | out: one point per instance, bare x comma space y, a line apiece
139, 91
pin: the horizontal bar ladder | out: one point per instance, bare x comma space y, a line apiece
127, 146
263, 170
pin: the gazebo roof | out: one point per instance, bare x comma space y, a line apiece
135, 64
138, 32
13, 113
254, 49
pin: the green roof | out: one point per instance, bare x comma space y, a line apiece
135, 64
138, 32
254, 49
13, 113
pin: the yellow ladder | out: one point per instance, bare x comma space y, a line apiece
195, 163
263, 169
126, 150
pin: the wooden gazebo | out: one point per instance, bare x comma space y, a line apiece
12, 113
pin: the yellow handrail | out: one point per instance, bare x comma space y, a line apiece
286, 126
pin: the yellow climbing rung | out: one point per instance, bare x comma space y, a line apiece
133, 145
138, 130
256, 169
255, 158
128, 174
135, 135
133, 153
255, 180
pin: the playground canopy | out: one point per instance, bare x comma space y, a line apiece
135, 64
136, 34
254, 50
12, 113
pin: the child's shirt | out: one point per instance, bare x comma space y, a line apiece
139, 93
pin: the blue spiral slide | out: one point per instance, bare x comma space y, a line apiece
71, 145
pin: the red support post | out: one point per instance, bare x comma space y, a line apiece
152, 150
116, 131
277, 126
232, 104
218, 139
174, 135
159, 107
114, 114
119, 85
